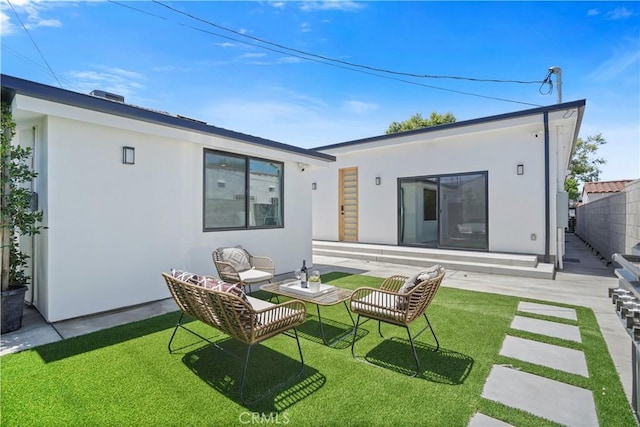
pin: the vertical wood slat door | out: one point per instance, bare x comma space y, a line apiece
348, 205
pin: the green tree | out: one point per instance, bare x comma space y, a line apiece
17, 217
417, 121
584, 165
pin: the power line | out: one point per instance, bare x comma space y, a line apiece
367, 72
326, 61
34, 44
351, 64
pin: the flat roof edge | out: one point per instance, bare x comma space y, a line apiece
495, 118
14, 85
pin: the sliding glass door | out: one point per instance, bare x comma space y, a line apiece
448, 211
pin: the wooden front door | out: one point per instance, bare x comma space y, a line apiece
348, 205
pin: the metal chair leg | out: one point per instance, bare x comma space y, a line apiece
244, 374
415, 353
380, 330
175, 330
355, 334
277, 386
432, 332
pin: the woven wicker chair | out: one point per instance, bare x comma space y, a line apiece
388, 305
261, 269
235, 317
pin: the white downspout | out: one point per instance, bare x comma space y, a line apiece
560, 247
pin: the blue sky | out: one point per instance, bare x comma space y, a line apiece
186, 61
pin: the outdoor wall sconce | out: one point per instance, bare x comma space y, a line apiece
378, 180
520, 169
128, 155
314, 186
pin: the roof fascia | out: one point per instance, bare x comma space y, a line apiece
473, 122
13, 85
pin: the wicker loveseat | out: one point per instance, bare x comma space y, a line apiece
226, 308
400, 300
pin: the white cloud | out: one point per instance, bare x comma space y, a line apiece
343, 5
593, 12
305, 27
252, 55
618, 63
6, 26
289, 60
277, 4
293, 117
619, 13
359, 107
116, 80
35, 23
226, 44
30, 12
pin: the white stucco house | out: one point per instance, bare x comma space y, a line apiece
493, 184
128, 193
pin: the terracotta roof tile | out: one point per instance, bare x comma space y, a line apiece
605, 186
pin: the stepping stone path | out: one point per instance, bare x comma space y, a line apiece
556, 401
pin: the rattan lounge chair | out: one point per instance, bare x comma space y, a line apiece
237, 265
250, 321
391, 304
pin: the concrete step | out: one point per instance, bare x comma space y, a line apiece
443, 254
482, 262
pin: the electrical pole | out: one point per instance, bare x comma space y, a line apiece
558, 72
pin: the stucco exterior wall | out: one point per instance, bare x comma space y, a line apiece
515, 202
113, 228
612, 224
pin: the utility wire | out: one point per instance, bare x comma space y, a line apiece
363, 71
35, 64
351, 64
547, 80
34, 44
325, 62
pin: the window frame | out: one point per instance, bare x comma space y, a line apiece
247, 191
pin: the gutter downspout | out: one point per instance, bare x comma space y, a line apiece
547, 207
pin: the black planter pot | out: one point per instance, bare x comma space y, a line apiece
12, 307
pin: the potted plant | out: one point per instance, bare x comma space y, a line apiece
17, 219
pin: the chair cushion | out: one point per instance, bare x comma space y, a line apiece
220, 286
430, 273
413, 281
253, 276
377, 307
237, 257
194, 279
243, 313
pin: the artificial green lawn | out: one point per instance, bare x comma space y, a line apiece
125, 375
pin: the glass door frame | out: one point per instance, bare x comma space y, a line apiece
439, 240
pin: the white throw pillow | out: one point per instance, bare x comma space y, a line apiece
237, 257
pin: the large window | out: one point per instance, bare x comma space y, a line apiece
241, 192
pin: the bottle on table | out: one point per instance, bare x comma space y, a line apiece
303, 275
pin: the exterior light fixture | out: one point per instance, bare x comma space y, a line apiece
378, 180
520, 169
128, 155
314, 186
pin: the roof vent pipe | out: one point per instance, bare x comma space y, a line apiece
107, 95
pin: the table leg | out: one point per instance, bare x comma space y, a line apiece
322, 328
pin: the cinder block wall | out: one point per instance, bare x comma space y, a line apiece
612, 224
